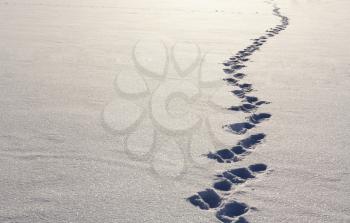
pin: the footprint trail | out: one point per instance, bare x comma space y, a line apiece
218, 197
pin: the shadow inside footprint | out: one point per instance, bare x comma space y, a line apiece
238, 150
232, 210
257, 118
243, 173
240, 128
231, 80
261, 103
239, 93
239, 75
238, 176
235, 153
232, 178
223, 185
251, 99
237, 67
196, 200
246, 87
252, 140
259, 167
205, 199
228, 71
223, 155
244, 107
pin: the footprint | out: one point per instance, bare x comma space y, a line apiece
223, 155
243, 173
246, 87
206, 199
259, 167
254, 100
228, 63
258, 118
251, 99
223, 185
237, 152
227, 179
252, 141
261, 103
248, 108
228, 71
240, 128
239, 93
237, 67
251, 106
231, 211
231, 80
239, 75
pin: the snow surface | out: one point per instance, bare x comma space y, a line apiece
85, 133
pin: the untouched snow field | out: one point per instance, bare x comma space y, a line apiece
117, 111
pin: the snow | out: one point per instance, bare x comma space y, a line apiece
88, 132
